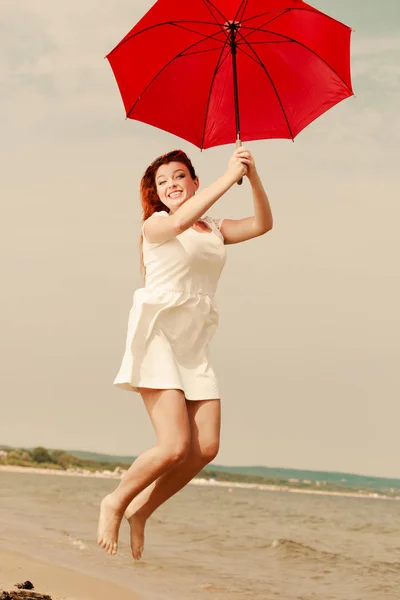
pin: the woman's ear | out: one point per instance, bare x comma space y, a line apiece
197, 183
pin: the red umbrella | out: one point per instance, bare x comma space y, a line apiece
215, 72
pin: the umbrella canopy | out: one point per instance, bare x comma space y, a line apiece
211, 72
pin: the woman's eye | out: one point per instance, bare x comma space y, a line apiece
180, 176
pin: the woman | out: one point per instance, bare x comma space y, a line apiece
171, 323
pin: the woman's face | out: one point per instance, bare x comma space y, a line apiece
175, 185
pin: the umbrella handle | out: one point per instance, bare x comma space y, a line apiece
238, 144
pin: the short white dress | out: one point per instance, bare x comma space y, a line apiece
174, 317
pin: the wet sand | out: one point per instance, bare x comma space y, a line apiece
59, 583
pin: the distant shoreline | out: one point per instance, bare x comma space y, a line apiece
197, 481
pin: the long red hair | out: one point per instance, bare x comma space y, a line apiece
151, 202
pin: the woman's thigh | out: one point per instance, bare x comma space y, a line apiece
168, 412
205, 425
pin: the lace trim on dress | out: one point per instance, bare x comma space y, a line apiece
215, 225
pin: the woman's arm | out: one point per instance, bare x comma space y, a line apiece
241, 230
162, 230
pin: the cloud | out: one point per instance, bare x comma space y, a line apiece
53, 69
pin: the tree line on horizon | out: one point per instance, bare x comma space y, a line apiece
62, 460
53, 459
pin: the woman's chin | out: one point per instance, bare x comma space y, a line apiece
173, 206
179, 203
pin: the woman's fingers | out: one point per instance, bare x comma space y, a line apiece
243, 154
247, 155
246, 162
246, 159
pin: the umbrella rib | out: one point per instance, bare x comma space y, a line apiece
245, 4
227, 55
192, 30
128, 39
255, 29
240, 46
181, 53
212, 14
270, 42
208, 50
267, 12
305, 9
264, 68
289, 39
217, 67
207, 2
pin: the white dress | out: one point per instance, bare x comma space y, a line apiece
174, 317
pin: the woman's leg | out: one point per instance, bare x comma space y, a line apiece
169, 416
205, 424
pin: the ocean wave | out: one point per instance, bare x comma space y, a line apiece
228, 591
383, 567
74, 541
372, 528
213, 587
290, 549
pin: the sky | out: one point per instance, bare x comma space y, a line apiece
307, 351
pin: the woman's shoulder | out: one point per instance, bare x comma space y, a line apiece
154, 215
158, 213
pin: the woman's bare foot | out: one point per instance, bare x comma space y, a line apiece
109, 523
137, 525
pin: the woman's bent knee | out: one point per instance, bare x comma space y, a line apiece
177, 453
208, 452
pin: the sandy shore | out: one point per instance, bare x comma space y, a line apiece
198, 481
59, 583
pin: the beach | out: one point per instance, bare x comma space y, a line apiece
208, 542
60, 583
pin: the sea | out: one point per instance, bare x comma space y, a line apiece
214, 543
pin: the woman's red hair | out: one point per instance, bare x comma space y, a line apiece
151, 202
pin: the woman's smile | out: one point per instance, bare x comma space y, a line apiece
175, 194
